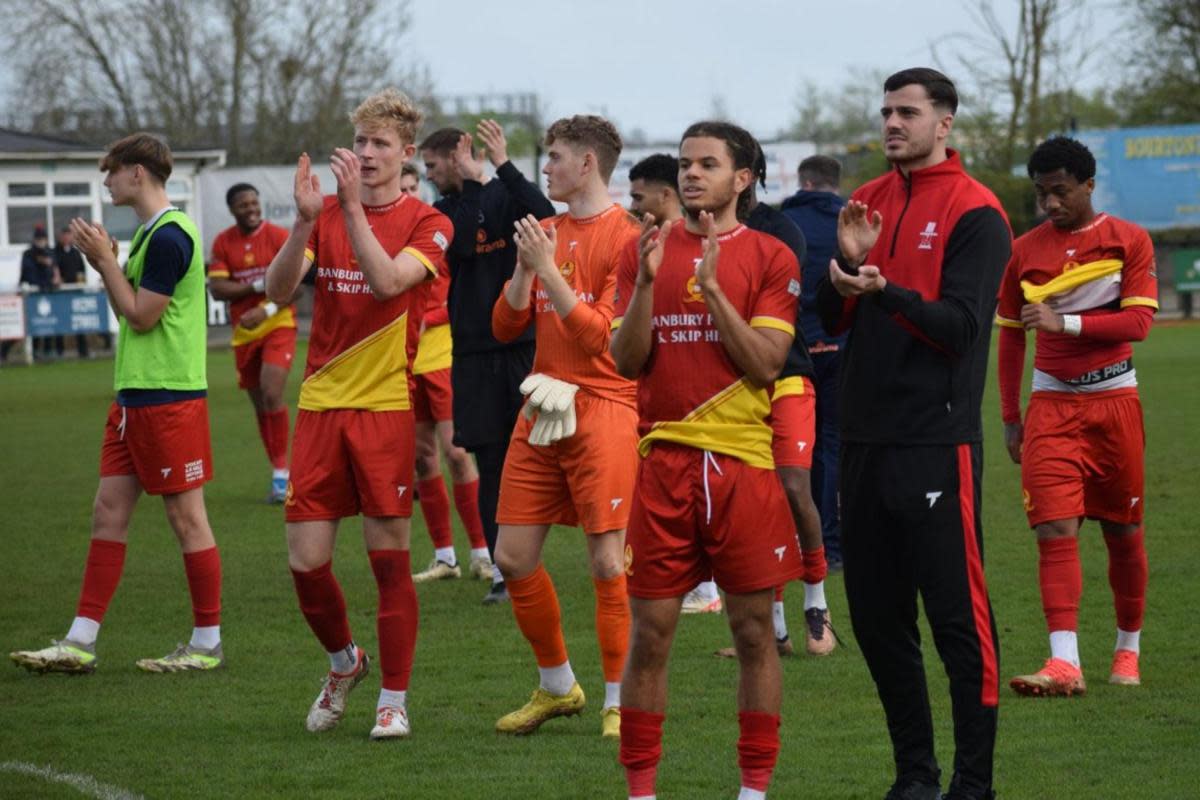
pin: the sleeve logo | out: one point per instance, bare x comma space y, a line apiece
439, 239
794, 287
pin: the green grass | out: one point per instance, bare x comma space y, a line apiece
240, 732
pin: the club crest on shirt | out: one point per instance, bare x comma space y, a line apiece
248, 258
692, 293
567, 268
927, 236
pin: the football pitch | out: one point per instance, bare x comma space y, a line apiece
239, 732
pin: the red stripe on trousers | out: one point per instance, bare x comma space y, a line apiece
990, 694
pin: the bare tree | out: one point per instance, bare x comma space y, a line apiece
847, 115
1164, 54
262, 78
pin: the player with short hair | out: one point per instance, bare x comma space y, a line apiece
264, 333
353, 446
654, 187
573, 450
1085, 281
156, 439
705, 319
485, 373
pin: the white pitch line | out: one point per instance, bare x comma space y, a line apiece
85, 784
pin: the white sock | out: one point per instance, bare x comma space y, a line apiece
480, 552
281, 473
1128, 640
751, 794
612, 694
207, 637
778, 619
84, 630
557, 680
644, 797
497, 577
707, 590
345, 660
1065, 645
446, 555
814, 596
392, 699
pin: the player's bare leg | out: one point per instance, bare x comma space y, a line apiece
465, 477
819, 638
644, 689
435, 506
760, 687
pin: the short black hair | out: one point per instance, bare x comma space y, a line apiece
820, 171
443, 141
743, 148
658, 168
237, 189
939, 88
1065, 153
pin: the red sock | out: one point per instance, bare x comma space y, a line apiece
612, 625
535, 605
324, 607
815, 567
758, 747
779, 592
641, 749
101, 574
203, 569
275, 436
1061, 578
466, 500
396, 620
264, 433
435, 507
1127, 575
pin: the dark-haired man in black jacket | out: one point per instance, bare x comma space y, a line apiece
923, 249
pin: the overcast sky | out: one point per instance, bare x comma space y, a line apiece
657, 65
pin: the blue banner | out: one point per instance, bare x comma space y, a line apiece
1150, 176
67, 311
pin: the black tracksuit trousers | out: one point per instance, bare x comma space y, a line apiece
911, 524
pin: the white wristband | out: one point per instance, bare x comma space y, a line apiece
259, 285
1072, 324
270, 308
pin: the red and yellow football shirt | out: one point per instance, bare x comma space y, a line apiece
690, 391
1097, 270
429, 323
357, 354
575, 348
245, 258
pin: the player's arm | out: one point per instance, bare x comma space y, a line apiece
535, 249
293, 260
525, 197
978, 248
633, 338
514, 310
386, 276
463, 209
1011, 356
227, 289
759, 351
142, 307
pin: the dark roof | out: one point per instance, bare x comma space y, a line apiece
12, 141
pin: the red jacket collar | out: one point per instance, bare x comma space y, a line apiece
951, 166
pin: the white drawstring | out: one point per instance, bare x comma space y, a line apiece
709, 459
121, 427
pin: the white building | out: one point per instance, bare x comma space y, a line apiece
47, 181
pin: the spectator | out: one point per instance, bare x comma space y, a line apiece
69, 264
38, 271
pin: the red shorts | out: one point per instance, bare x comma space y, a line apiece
166, 446
697, 514
347, 461
793, 424
432, 400
276, 348
1083, 456
585, 480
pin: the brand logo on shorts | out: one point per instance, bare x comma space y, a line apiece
193, 470
165, 471
927, 236
616, 501
779, 551
932, 497
801, 445
628, 560
1133, 501
400, 490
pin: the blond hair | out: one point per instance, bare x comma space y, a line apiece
390, 108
